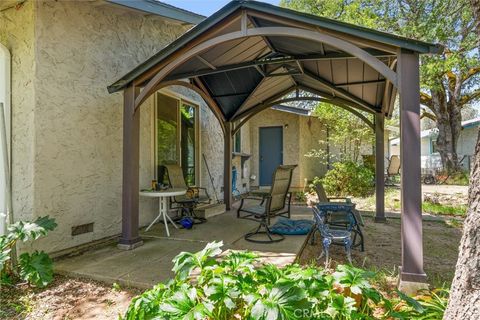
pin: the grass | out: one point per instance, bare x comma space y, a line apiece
440, 209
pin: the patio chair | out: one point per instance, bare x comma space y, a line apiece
194, 195
341, 219
275, 203
393, 169
330, 236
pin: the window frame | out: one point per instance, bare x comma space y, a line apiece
181, 100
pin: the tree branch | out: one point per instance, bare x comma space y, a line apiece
425, 99
426, 114
471, 73
475, 95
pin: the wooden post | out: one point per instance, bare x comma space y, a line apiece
380, 167
130, 238
412, 275
227, 167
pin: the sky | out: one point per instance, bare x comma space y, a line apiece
205, 7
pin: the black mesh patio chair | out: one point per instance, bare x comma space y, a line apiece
193, 197
275, 203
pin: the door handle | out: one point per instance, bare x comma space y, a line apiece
261, 158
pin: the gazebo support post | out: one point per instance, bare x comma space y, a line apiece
412, 275
380, 167
227, 167
130, 238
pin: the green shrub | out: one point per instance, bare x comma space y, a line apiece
237, 286
348, 179
35, 268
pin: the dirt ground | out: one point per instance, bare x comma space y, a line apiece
65, 299
383, 251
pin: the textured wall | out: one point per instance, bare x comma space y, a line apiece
312, 137
80, 49
17, 34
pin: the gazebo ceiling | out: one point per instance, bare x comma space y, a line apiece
242, 73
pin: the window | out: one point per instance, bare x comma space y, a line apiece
176, 125
237, 141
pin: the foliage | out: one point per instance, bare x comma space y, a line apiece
348, 179
237, 286
344, 130
449, 81
437, 208
36, 267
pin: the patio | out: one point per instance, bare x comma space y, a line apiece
151, 263
250, 56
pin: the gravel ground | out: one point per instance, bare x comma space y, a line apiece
64, 299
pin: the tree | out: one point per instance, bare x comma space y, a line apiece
449, 81
464, 300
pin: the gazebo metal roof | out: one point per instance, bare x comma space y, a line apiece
242, 73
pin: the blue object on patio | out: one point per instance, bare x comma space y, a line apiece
187, 222
235, 191
291, 227
331, 236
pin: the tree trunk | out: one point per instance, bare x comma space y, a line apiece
464, 300
449, 124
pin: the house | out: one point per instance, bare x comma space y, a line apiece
66, 129
430, 156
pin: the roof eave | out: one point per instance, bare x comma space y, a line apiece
161, 9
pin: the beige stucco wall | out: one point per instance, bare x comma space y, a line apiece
17, 34
312, 137
74, 126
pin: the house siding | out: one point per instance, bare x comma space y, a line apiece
68, 146
17, 33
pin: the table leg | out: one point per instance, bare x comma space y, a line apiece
163, 212
154, 221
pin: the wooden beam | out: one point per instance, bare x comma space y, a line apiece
380, 167
130, 237
357, 83
227, 165
411, 193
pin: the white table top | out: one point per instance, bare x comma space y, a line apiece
164, 193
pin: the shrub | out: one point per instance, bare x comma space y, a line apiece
35, 268
348, 179
238, 287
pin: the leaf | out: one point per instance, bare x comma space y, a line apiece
25, 230
36, 268
411, 302
186, 262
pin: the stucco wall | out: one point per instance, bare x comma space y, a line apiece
17, 34
80, 49
312, 137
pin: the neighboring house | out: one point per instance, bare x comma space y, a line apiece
66, 129
430, 156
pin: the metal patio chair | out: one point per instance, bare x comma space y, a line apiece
341, 219
331, 236
275, 203
194, 195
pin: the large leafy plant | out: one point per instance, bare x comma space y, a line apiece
212, 284
348, 179
35, 268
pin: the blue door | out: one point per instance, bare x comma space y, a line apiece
271, 153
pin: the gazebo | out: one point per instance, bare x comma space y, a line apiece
250, 56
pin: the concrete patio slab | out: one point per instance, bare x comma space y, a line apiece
151, 263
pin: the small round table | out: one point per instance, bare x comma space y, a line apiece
163, 196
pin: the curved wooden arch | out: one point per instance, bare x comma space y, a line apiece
268, 31
271, 104
208, 100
